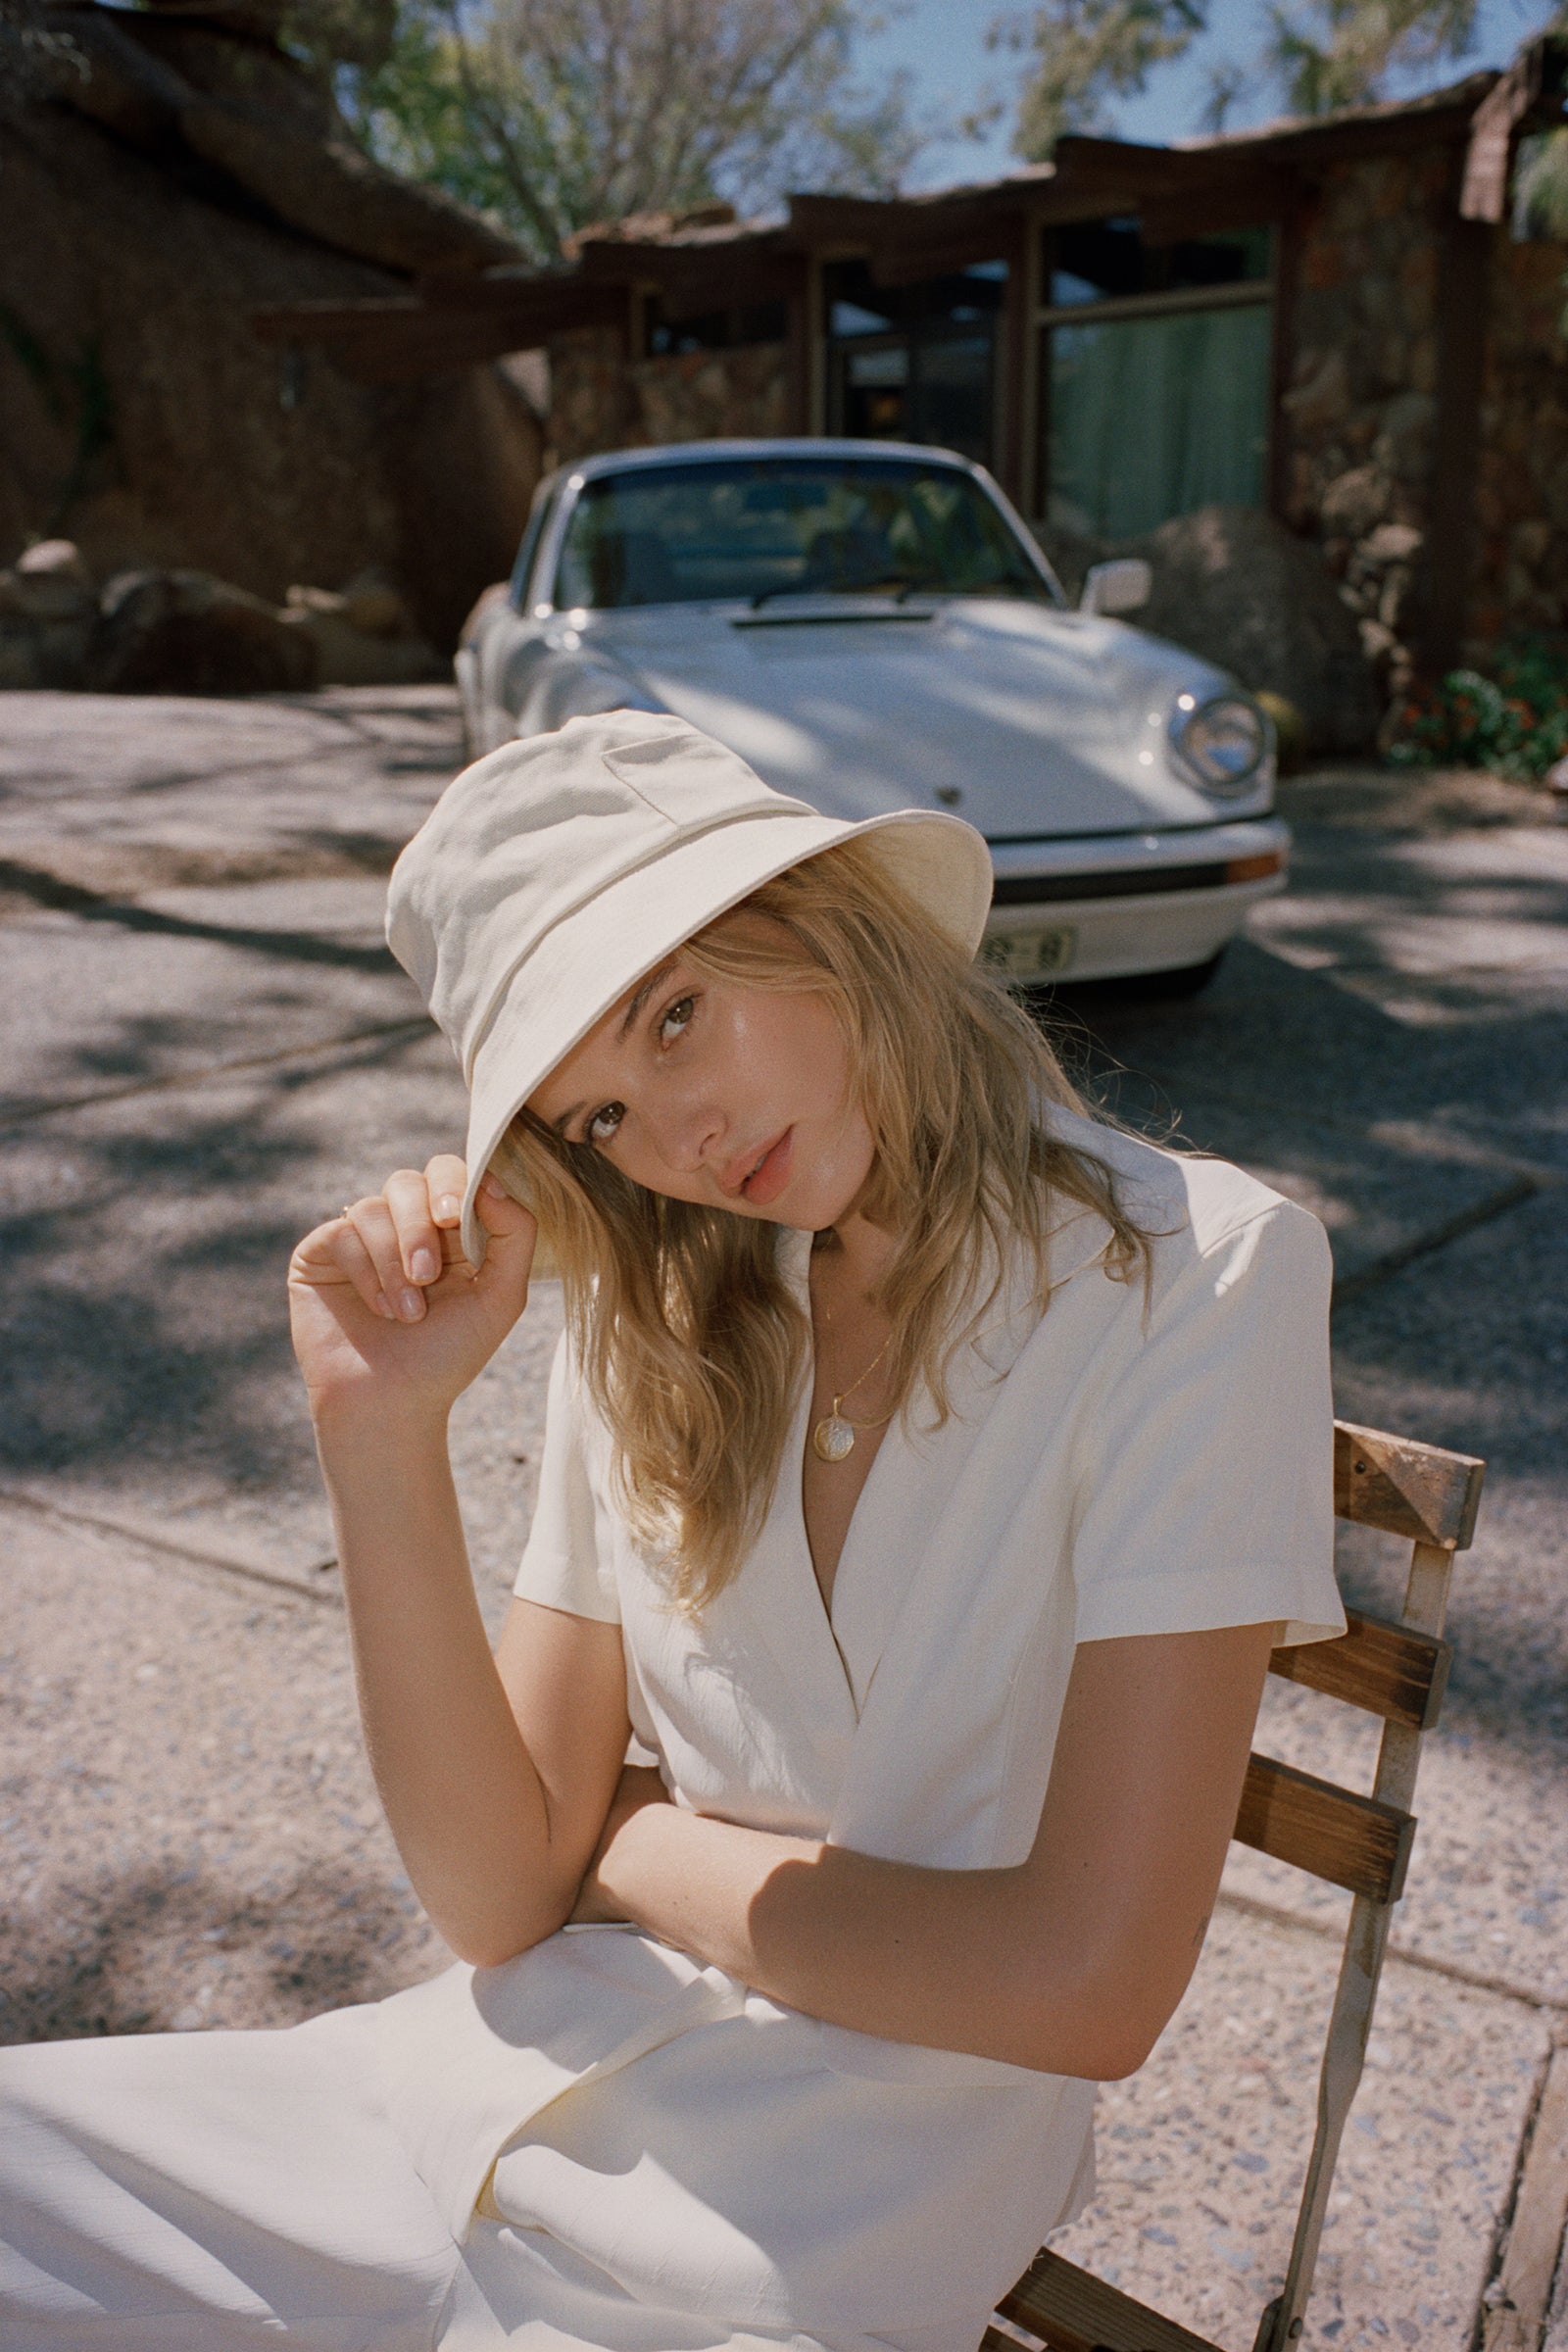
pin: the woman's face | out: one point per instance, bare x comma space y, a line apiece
709, 1091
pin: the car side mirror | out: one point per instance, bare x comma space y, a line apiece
1121, 586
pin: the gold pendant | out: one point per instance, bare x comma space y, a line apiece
832, 1439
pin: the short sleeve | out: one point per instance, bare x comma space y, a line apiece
567, 1562
1208, 1496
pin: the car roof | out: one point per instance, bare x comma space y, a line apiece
818, 445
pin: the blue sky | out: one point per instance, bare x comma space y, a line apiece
942, 43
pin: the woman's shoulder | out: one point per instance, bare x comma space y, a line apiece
1186, 1203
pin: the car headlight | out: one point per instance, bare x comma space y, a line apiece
1223, 742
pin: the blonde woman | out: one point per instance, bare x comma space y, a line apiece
928, 1472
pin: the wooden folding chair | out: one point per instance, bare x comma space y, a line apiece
1399, 1671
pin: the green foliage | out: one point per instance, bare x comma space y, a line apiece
1541, 185
1087, 51
1315, 54
1329, 53
1514, 722
556, 115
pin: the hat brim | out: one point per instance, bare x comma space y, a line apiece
590, 960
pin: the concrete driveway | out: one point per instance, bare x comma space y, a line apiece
206, 1049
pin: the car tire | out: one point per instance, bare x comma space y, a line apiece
1175, 988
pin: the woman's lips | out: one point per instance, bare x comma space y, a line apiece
768, 1179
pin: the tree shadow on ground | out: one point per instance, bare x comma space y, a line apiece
145, 1322
132, 1955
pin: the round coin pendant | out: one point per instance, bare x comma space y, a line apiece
833, 1439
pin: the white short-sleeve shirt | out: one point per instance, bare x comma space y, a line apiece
1132, 1461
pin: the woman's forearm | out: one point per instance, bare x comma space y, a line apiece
950, 1959
464, 1800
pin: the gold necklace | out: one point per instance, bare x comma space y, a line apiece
833, 1437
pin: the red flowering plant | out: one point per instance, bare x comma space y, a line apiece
1513, 721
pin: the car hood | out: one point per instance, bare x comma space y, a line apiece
1033, 716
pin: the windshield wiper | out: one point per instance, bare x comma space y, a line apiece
897, 584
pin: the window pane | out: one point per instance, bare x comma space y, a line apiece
858, 306
954, 409
1100, 260
1151, 418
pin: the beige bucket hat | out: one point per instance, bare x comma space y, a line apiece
553, 873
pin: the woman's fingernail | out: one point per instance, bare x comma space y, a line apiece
411, 1306
424, 1265
383, 1306
493, 1189
448, 1206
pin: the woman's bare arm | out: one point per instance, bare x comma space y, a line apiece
1072, 1963
496, 1773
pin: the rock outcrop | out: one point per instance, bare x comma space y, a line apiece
239, 102
183, 174
1235, 586
1242, 590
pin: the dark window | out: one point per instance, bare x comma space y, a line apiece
914, 363
858, 306
714, 330
1108, 261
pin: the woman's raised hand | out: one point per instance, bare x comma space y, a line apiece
386, 1309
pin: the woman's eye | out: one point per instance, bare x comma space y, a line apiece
676, 1018
601, 1126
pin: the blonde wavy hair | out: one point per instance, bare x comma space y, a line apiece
692, 1348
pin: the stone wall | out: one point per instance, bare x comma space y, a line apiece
1521, 573
600, 402
1357, 418
1358, 414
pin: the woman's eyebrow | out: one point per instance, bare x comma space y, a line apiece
644, 992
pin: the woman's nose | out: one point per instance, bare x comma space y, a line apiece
688, 1133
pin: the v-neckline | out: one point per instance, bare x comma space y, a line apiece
800, 1543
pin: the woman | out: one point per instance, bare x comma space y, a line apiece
928, 1472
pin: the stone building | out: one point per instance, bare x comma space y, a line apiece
1329, 320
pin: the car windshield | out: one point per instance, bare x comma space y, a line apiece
760, 528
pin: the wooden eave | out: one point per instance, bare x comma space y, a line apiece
459, 319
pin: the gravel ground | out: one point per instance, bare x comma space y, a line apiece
208, 1048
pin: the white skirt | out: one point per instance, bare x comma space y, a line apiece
224, 2191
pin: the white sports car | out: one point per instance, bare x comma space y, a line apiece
872, 626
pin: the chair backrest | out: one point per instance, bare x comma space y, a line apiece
1397, 1669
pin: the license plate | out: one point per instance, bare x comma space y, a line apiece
1030, 954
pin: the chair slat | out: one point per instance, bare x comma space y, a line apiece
1388, 1669
1076, 2311
1354, 1842
1422, 1492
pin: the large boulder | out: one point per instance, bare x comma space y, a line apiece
184, 632
364, 634
1235, 586
138, 409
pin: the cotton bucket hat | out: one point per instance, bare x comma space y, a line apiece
555, 872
